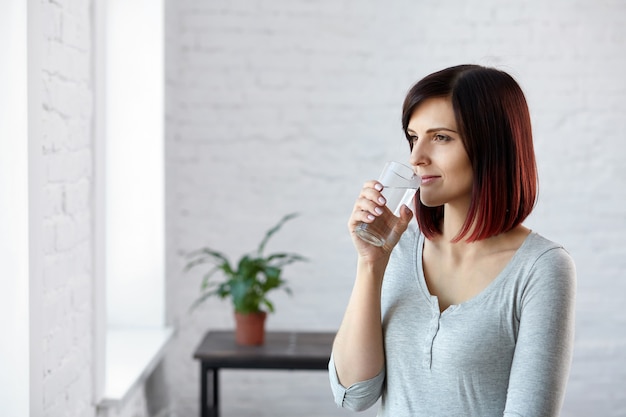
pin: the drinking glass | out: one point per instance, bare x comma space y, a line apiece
400, 184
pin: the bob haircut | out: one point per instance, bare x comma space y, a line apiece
494, 123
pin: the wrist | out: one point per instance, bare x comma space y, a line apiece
374, 268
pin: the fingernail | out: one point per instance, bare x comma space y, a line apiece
378, 210
369, 216
378, 186
381, 200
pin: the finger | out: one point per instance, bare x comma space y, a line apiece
405, 214
359, 216
368, 205
367, 209
370, 198
373, 184
372, 191
405, 217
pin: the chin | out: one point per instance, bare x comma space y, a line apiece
430, 203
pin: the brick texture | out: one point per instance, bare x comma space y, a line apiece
281, 106
66, 117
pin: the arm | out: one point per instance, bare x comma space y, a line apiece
544, 345
358, 348
358, 353
356, 368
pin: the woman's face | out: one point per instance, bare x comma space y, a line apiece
439, 155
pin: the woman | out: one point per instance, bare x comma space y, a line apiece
467, 312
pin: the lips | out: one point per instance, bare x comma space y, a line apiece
427, 179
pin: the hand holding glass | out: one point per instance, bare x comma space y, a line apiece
400, 184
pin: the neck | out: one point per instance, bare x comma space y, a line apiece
453, 220
467, 250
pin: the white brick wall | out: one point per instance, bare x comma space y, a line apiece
67, 264
280, 106
67, 122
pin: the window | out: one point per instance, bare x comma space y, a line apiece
129, 200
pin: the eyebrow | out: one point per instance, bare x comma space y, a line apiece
435, 129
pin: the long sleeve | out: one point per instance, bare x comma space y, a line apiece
543, 351
359, 396
505, 352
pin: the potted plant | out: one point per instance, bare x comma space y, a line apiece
247, 283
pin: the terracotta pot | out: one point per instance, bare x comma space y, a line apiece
250, 328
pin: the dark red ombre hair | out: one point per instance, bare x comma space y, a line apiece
494, 123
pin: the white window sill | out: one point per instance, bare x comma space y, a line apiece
131, 355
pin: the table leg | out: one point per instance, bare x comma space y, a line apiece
206, 409
216, 393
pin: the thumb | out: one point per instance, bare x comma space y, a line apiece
405, 215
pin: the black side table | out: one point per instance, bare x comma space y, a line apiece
282, 350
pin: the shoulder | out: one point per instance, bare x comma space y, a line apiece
545, 254
549, 267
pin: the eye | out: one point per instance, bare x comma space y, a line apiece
439, 137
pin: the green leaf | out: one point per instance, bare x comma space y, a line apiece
205, 277
283, 259
249, 267
238, 291
269, 305
223, 290
206, 255
272, 272
273, 230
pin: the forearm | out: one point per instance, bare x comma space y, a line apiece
358, 348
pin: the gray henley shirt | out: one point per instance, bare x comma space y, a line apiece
505, 352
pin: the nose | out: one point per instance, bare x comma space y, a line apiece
419, 154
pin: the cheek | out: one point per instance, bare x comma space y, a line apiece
464, 169
467, 175
462, 176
